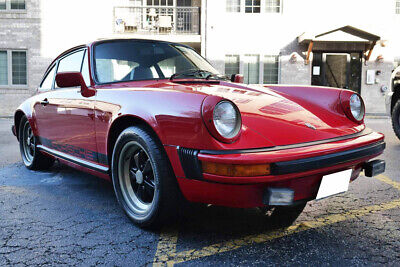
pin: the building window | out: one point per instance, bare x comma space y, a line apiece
17, 4
160, 2
252, 69
13, 69
397, 6
18, 59
12, 5
271, 69
3, 68
3, 4
273, 6
253, 6
232, 65
232, 5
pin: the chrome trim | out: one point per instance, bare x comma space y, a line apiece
73, 159
366, 131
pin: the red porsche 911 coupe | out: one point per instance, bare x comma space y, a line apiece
158, 120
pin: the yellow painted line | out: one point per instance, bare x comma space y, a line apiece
166, 250
387, 180
166, 246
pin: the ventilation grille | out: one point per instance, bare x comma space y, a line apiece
190, 163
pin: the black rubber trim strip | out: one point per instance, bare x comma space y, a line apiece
73, 159
307, 164
275, 148
190, 163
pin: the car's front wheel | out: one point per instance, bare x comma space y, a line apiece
32, 158
143, 179
396, 118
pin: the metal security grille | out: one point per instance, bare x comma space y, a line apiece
273, 6
232, 5
232, 65
271, 69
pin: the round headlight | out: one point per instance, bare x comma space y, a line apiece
357, 107
227, 119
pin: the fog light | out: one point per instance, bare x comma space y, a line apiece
235, 170
278, 197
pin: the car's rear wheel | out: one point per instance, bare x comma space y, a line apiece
143, 179
283, 216
32, 158
396, 118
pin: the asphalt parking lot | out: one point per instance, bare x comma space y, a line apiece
64, 217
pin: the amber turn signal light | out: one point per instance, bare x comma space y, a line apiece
236, 170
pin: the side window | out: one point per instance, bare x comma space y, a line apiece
72, 62
85, 69
47, 83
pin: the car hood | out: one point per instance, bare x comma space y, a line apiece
280, 120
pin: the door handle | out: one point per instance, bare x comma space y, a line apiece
44, 102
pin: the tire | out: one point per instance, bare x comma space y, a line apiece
396, 118
149, 197
32, 158
283, 216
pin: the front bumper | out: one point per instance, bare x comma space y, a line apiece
299, 168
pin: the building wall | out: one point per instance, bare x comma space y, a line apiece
275, 34
20, 30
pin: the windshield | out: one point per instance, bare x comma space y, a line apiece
130, 60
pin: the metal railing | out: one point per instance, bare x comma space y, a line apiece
157, 20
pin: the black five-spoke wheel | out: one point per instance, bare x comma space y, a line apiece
31, 157
144, 182
136, 177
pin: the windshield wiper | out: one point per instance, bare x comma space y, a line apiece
191, 72
217, 76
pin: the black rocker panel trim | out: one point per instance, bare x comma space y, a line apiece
74, 159
318, 162
82, 153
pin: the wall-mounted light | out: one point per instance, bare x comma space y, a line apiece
379, 59
293, 58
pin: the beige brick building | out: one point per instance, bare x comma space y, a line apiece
348, 44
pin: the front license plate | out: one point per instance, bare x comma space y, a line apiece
334, 183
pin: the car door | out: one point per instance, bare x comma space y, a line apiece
64, 118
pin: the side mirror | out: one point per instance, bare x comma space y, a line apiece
72, 79
237, 78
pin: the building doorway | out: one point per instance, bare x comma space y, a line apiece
342, 70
